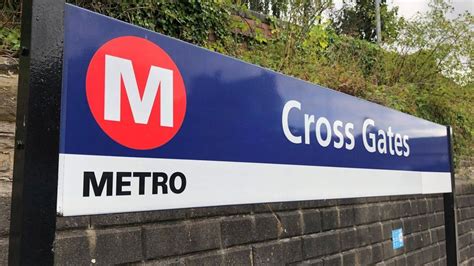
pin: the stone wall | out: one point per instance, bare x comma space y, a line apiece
8, 89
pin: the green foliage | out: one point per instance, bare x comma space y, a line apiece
276, 8
431, 44
9, 41
9, 27
283, 9
317, 40
357, 19
193, 21
427, 72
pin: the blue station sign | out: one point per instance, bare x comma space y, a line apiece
150, 122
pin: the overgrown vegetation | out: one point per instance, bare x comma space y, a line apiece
9, 27
357, 19
426, 71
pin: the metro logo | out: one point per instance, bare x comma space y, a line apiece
135, 93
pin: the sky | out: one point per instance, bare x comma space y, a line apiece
408, 8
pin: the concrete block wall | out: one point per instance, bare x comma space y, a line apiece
465, 216
328, 232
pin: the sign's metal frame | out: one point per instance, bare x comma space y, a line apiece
33, 208
34, 197
450, 215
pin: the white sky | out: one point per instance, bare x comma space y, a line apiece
408, 8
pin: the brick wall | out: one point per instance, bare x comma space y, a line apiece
465, 215
331, 232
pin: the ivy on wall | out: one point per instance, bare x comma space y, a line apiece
191, 21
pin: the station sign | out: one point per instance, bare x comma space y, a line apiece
149, 122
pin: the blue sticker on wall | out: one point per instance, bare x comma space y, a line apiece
397, 238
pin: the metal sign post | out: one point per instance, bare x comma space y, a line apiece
33, 215
450, 219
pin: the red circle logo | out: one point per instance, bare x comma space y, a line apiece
136, 93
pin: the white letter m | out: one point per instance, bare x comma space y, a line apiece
118, 69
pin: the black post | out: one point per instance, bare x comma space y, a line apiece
35, 173
450, 219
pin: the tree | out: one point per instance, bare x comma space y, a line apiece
282, 9
357, 19
431, 45
268, 7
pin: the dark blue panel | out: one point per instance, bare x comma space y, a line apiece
234, 109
